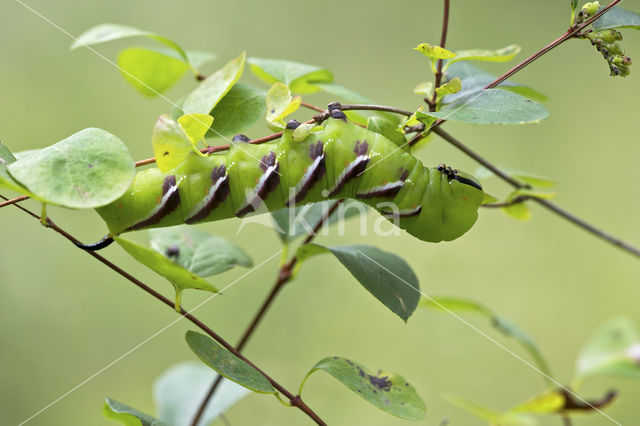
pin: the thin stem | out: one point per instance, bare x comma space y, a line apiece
361, 107
566, 421
516, 200
284, 276
635, 251
13, 200
443, 41
294, 399
572, 32
313, 107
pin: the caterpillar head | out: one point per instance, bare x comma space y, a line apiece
449, 205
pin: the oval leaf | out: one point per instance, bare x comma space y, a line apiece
196, 251
613, 350
128, 416
387, 391
300, 78
108, 32
388, 277
207, 95
526, 177
227, 364
493, 106
88, 169
617, 18
474, 80
500, 55
434, 52
280, 104
149, 71
171, 145
179, 391
387, 129
6, 181
178, 276
238, 110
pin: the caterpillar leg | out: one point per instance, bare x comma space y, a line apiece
104, 242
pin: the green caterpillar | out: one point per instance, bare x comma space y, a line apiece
341, 160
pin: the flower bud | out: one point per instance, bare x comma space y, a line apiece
608, 36
590, 9
624, 71
614, 49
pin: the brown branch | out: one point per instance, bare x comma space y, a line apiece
443, 41
635, 251
295, 400
13, 200
313, 107
284, 276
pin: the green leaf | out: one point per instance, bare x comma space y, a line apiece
388, 391
128, 416
300, 78
551, 401
108, 32
6, 181
88, 169
449, 88
526, 177
6, 157
455, 304
500, 55
179, 391
280, 104
198, 58
227, 364
179, 277
495, 418
613, 350
195, 126
531, 193
617, 18
207, 95
493, 106
488, 199
474, 80
424, 89
386, 276
196, 251
434, 52
149, 71
387, 129
238, 110
519, 211
171, 145
290, 223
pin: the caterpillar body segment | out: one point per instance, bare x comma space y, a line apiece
339, 161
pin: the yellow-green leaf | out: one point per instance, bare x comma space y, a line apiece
170, 144
207, 95
150, 71
434, 52
195, 126
280, 104
499, 55
449, 88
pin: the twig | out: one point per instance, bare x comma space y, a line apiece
545, 203
443, 41
572, 32
516, 200
284, 276
313, 107
363, 107
295, 400
13, 200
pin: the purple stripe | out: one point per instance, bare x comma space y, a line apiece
169, 203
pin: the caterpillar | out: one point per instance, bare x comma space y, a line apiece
341, 160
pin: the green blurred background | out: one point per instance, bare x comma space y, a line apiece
65, 316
